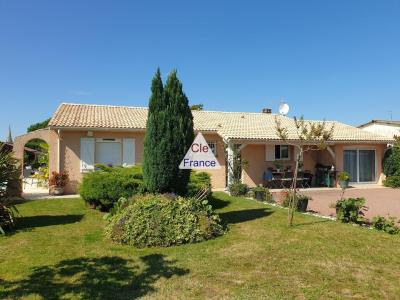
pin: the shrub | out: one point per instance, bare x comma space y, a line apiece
238, 189
58, 179
102, 188
387, 225
158, 220
197, 182
392, 181
8, 176
350, 209
266, 194
343, 176
301, 200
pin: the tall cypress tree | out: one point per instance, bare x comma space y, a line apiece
153, 162
180, 132
169, 134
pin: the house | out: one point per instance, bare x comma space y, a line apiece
382, 127
81, 135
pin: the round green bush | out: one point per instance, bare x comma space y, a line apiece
392, 181
157, 220
238, 189
102, 188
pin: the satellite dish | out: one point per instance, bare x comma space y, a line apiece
283, 109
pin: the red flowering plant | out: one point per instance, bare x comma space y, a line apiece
58, 179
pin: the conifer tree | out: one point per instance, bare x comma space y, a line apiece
169, 135
153, 166
180, 132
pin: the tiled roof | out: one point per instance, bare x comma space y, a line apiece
230, 125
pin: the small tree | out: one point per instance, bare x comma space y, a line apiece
179, 133
197, 107
168, 136
309, 136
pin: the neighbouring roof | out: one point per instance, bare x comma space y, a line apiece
230, 125
382, 122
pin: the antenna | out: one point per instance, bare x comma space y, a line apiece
283, 108
390, 115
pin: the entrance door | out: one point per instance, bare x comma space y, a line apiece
360, 164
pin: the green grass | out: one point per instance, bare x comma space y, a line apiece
58, 251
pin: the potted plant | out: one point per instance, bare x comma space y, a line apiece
259, 193
343, 178
302, 202
57, 182
278, 165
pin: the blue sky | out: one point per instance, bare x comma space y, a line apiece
328, 59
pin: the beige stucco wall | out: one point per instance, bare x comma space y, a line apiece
257, 164
255, 155
379, 153
218, 176
70, 151
70, 154
47, 135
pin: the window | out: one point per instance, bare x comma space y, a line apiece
213, 146
108, 152
282, 152
360, 164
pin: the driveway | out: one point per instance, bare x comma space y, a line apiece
380, 201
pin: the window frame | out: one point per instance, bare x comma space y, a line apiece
213, 142
280, 152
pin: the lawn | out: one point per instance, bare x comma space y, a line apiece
58, 251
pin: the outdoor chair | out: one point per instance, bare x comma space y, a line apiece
307, 180
27, 179
287, 179
299, 179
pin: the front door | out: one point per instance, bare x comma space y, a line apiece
360, 164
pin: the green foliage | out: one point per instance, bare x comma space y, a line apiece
102, 188
197, 107
387, 225
198, 181
391, 160
8, 176
39, 125
343, 176
238, 189
350, 210
156, 220
392, 181
169, 135
266, 194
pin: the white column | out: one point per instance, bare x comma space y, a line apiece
230, 163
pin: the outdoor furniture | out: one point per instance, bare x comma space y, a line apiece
307, 180
287, 179
27, 178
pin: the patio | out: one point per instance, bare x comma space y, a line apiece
379, 200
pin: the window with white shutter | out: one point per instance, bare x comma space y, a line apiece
128, 152
87, 154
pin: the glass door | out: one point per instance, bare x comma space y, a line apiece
350, 164
366, 165
360, 164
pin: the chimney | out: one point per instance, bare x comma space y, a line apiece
267, 111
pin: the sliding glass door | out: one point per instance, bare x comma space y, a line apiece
360, 164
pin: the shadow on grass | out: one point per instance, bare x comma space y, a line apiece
218, 203
26, 223
239, 216
107, 277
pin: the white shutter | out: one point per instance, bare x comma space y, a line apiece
270, 152
128, 150
87, 154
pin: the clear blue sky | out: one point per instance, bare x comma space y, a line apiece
328, 59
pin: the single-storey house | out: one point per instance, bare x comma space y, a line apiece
387, 128
81, 135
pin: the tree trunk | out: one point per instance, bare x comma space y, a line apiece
292, 203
